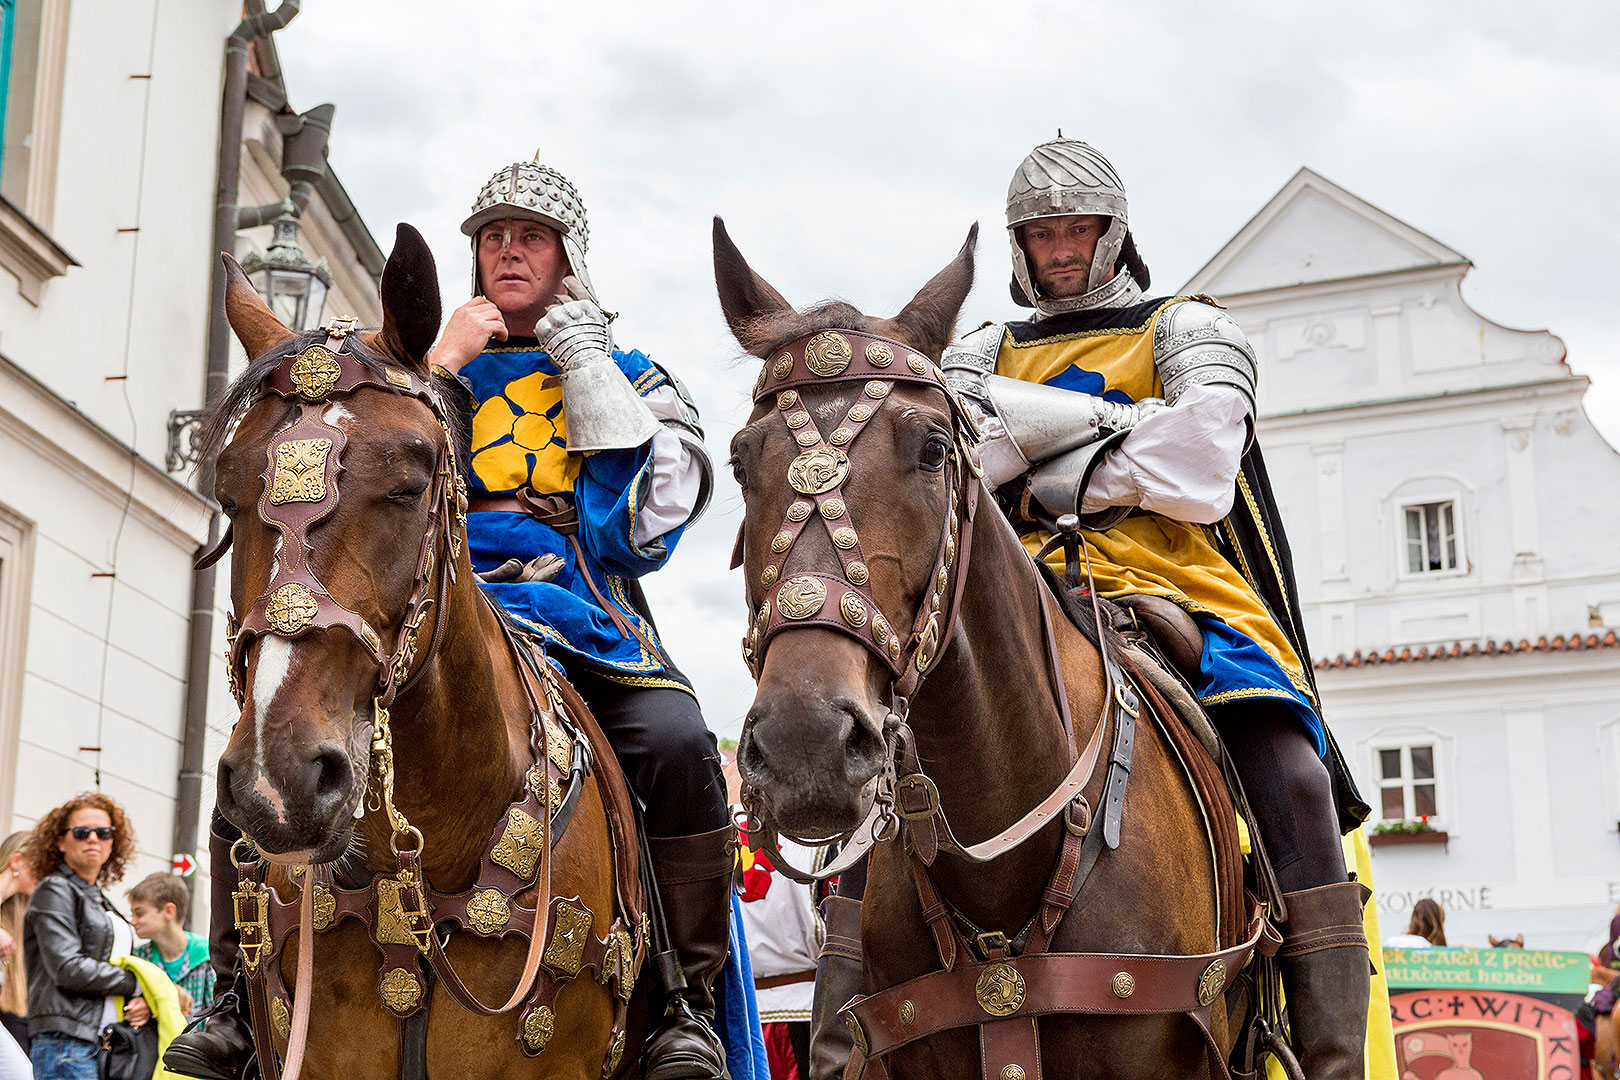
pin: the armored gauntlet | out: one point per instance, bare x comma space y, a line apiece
601, 410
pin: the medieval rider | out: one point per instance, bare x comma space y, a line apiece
1137, 415
586, 465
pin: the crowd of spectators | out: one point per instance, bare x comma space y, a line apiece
70, 965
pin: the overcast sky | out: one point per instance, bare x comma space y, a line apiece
849, 145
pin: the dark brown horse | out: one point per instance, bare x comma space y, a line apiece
985, 707
384, 537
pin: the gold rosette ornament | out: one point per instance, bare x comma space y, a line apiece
801, 597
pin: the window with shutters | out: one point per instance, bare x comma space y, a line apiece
1408, 788
1432, 542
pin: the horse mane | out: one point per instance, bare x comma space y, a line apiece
220, 419
764, 333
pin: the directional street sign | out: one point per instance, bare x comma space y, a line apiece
185, 864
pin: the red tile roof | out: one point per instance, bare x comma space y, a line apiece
1458, 650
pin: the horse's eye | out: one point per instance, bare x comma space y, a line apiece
738, 471
407, 493
934, 453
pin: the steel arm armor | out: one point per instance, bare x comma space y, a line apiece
1198, 344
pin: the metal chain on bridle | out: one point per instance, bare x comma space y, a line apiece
844, 602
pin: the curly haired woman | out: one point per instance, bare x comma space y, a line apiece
72, 930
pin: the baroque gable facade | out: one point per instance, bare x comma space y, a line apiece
1460, 581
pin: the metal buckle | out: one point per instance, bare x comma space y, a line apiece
926, 786
1120, 690
341, 326
253, 929
992, 943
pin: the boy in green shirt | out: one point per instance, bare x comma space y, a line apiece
157, 911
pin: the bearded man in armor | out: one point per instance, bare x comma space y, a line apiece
585, 465
1137, 416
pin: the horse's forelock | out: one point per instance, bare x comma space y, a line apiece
765, 333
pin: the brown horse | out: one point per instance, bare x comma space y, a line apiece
384, 537
985, 705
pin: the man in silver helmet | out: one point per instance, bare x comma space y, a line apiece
585, 464
1136, 415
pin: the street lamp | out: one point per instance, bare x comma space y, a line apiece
294, 287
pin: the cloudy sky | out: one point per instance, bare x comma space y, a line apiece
849, 145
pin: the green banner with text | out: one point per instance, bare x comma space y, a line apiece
1528, 971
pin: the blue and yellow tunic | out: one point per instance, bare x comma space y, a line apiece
519, 440
1246, 654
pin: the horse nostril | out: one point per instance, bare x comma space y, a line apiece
334, 775
864, 749
750, 758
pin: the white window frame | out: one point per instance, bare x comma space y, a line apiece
1442, 508
1403, 738
16, 597
1413, 494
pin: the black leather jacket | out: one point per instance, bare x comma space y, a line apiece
66, 941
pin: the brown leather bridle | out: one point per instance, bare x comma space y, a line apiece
304, 462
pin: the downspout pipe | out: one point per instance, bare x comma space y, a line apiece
199, 645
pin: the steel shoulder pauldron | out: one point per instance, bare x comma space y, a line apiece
301, 474
1198, 344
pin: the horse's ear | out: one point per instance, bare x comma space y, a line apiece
256, 326
929, 321
744, 295
410, 299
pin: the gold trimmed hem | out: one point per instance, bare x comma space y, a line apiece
1112, 331
1244, 694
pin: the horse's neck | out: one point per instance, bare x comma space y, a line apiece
460, 741
987, 721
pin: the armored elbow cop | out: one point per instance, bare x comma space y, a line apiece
1198, 344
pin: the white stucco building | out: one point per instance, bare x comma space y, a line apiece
108, 166
1453, 522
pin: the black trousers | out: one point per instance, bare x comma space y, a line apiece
668, 754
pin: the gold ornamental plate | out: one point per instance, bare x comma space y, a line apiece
1000, 990
1124, 984
325, 905
801, 597
1211, 982
488, 912
817, 471
878, 354
568, 937
853, 609
828, 353
520, 844
300, 471
314, 372
538, 1024
280, 1018
616, 1052
291, 608
400, 990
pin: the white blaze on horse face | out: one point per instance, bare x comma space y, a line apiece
269, 675
336, 412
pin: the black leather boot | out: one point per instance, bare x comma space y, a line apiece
694, 880
838, 978
1327, 978
218, 1044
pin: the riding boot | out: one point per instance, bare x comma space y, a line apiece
694, 882
838, 978
221, 1048
1327, 979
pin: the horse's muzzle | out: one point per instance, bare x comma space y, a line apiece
815, 762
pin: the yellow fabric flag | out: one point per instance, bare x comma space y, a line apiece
164, 1001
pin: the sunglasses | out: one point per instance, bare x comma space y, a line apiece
81, 833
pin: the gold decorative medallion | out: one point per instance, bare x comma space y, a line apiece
908, 1011
616, 1052
315, 372
917, 364
818, 471
860, 414
855, 1032
894, 646
300, 472
782, 366
396, 377
832, 509
808, 437
878, 354
857, 573
763, 618
787, 399
798, 511
488, 911
627, 962
797, 419
559, 747
280, 1017
325, 905
1124, 984
880, 628
291, 608
520, 845
842, 437
1012, 1072
801, 597
568, 937
400, 990
759, 383
781, 541
1000, 990
877, 389
1211, 982
853, 609
536, 779
845, 538
767, 576
538, 1024
828, 353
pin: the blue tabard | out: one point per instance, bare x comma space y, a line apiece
519, 439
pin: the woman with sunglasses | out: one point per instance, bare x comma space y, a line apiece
72, 930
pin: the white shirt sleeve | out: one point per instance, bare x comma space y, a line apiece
677, 473
1181, 462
